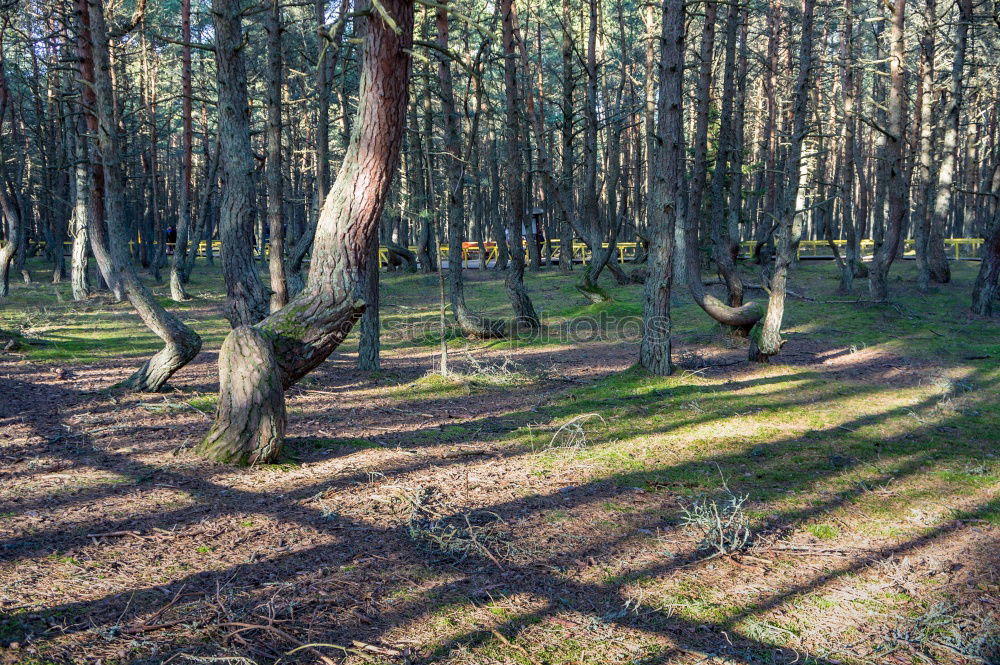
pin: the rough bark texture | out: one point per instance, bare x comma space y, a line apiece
177, 276
275, 181
661, 211
987, 286
937, 260
895, 185
251, 402
80, 221
524, 310
181, 344
246, 300
315, 322
765, 336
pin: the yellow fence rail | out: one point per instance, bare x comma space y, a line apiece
957, 248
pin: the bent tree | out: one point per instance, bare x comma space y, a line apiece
258, 363
181, 344
765, 336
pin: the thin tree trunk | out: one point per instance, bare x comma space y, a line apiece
765, 337
470, 322
181, 344
925, 100
80, 221
940, 271
246, 300
177, 291
524, 310
896, 181
273, 165
726, 157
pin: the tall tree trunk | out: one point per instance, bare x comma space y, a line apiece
938, 262
257, 363
568, 85
95, 195
765, 337
246, 300
8, 207
703, 97
847, 160
273, 175
202, 226
177, 278
925, 100
665, 185
896, 180
725, 158
181, 344
470, 322
524, 310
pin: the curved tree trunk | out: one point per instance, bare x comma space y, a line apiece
399, 255
181, 344
726, 158
765, 336
251, 401
291, 342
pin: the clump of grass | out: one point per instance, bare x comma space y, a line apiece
944, 628
723, 522
433, 524
823, 531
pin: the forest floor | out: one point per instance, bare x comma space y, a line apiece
531, 508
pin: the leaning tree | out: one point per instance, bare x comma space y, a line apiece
258, 363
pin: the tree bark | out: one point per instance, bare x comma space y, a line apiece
471, 323
765, 336
246, 300
177, 277
291, 342
986, 289
181, 344
80, 221
273, 165
524, 310
896, 181
726, 157
668, 178
940, 271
